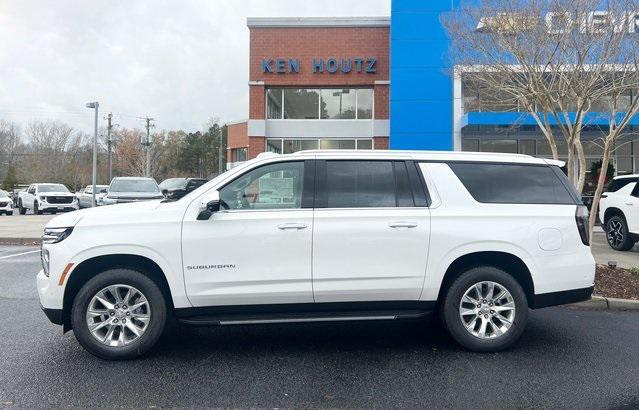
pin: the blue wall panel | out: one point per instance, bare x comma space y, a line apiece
421, 108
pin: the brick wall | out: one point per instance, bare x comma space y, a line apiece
256, 146
237, 135
382, 92
380, 142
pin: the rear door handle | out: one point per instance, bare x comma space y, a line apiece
292, 226
402, 224
629, 203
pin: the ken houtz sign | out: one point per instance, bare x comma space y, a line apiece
320, 65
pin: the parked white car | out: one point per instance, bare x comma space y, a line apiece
326, 236
6, 204
619, 212
47, 198
85, 198
131, 189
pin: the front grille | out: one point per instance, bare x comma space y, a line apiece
59, 199
3, 204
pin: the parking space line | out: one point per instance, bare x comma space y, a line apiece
18, 254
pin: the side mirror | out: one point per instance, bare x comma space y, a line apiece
209, 204
165, 192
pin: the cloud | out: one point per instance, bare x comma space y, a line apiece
181, 62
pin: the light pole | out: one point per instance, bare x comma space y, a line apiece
95, 106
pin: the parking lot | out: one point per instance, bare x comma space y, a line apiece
591, 355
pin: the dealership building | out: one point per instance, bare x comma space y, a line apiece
378, 83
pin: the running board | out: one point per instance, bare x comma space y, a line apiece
298, 318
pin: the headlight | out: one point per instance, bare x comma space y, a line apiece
44, 257
43, 198
55, 235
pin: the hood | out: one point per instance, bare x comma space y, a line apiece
116, 195
56, 194
103, 213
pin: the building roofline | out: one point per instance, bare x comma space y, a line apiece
280, 22
235, 122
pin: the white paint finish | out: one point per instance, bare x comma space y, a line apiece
358, 256
381, 128
549, 239
271, 265
318, 128
625, 202
256, 128
461, 225
318, 22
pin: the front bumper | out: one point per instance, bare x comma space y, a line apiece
54, 315
563, 297
45, 206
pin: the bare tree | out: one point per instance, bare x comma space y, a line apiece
556, 59
9, 144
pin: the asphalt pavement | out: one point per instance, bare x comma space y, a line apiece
566, 358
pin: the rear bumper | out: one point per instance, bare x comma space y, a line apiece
54, 315
563, 297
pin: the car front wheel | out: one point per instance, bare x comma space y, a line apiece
617, 234
119, 314
36, 209
21, 209
485, 309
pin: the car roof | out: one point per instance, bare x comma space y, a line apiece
135, 178
626, 176
443, 156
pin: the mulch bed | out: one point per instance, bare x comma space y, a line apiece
616, 283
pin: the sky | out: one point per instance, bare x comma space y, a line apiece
181, 62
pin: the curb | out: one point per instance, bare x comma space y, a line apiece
603, 303
20, 241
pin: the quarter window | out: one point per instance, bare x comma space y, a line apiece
274, 186
513, 183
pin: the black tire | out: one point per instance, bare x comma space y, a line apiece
10, 213
154, 329
21, 209
450, 310
36, 211
617, 233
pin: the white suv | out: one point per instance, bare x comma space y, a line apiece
326, 236
619, 212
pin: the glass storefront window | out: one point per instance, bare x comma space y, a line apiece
338, 104
274, 145
364, 104
301, 104
238, 154
291, 146
507, 146
526, 147
624, 165
337, 144
470, 145
328, 103
364, 144
274, 103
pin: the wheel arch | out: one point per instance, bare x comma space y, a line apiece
93, 266
509, 263
612, 211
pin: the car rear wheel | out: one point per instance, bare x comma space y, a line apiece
485, 309
119, 314
617, 234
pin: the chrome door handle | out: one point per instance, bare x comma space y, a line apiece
402, 224
629, 203
292, 226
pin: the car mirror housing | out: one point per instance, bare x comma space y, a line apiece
209, 204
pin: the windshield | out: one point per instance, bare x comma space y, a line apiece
3, 194
173, 183
134, 185
52, 188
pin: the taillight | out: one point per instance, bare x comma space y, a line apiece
604, 196
581, 217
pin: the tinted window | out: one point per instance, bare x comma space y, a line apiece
52, 188
511, 183
616, 184
364, 184
274, 186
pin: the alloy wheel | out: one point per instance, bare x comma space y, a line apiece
615, 233
487, 310
118, 315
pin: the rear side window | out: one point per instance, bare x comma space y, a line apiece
364, 184
616, 184
513, 183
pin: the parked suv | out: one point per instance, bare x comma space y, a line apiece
131, 189
326, 236
6, 204
47, 198
619, 212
